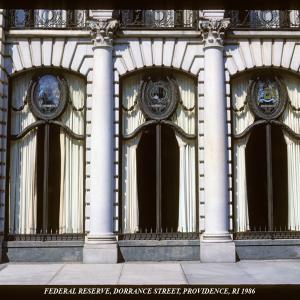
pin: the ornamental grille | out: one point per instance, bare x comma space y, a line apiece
157, 19
264, 19
46, 19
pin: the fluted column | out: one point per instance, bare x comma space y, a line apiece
216, 243
100, 245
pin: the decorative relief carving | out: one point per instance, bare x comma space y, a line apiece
48, 96
159, 97
268, 97
213, 31
102, 31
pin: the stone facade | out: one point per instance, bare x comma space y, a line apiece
103, 54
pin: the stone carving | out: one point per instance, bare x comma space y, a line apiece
102, 31
213, 31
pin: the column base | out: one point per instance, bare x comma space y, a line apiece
215, 237
100, 250
217, 250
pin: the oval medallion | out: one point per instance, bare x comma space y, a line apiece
159, 98
48, 97
268, 98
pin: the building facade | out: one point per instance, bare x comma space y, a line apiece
149, 135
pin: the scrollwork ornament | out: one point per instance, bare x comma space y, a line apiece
102, 31
213, 31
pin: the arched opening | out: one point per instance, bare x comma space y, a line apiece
46, 176
266, 152
158, 154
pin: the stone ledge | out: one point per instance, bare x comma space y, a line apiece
260, 242
48, 251
164, 250
268, 249
47, 33
157, 243
42, 244
251, 33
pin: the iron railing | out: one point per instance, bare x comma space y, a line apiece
160, 235
46, 237
157, 19
247, 235
266, 235
264, 19
46, 19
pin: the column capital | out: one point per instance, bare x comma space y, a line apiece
102, 31
213, 31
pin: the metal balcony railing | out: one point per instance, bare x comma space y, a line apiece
46, 19
157, 19
46, 237
266, 235
77, 19
162, 234
35, 234
264, 19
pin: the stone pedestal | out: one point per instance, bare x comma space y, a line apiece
217, 252
100, 251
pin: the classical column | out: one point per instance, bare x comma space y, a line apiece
100, 245
216, 244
